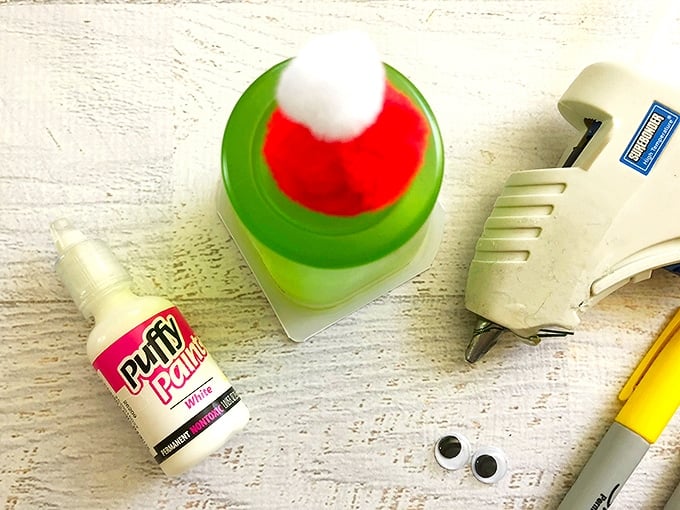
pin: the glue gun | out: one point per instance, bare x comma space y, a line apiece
561, 239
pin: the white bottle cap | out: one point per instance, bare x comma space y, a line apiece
87, 267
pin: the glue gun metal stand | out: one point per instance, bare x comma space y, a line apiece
560, 239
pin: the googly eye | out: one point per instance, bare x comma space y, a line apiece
452, 451
489, 464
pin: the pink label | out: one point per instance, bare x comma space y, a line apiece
162, 354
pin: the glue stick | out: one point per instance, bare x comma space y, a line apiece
155, 366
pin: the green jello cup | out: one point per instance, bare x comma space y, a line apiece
320, 260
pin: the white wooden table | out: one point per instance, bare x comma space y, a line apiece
112, 115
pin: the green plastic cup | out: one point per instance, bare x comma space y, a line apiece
320, 260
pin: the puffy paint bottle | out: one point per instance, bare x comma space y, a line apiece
155, 366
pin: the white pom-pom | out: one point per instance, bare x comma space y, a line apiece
335, 86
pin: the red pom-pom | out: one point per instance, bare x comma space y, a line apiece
364, 174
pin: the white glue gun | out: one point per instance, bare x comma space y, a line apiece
560, 239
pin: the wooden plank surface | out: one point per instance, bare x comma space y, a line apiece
112, 115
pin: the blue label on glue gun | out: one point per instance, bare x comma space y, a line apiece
650, 138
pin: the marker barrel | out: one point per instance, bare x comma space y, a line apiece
674, 502
603, 476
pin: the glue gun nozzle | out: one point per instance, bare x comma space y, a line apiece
484, 337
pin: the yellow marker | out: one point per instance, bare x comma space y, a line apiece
651, 395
